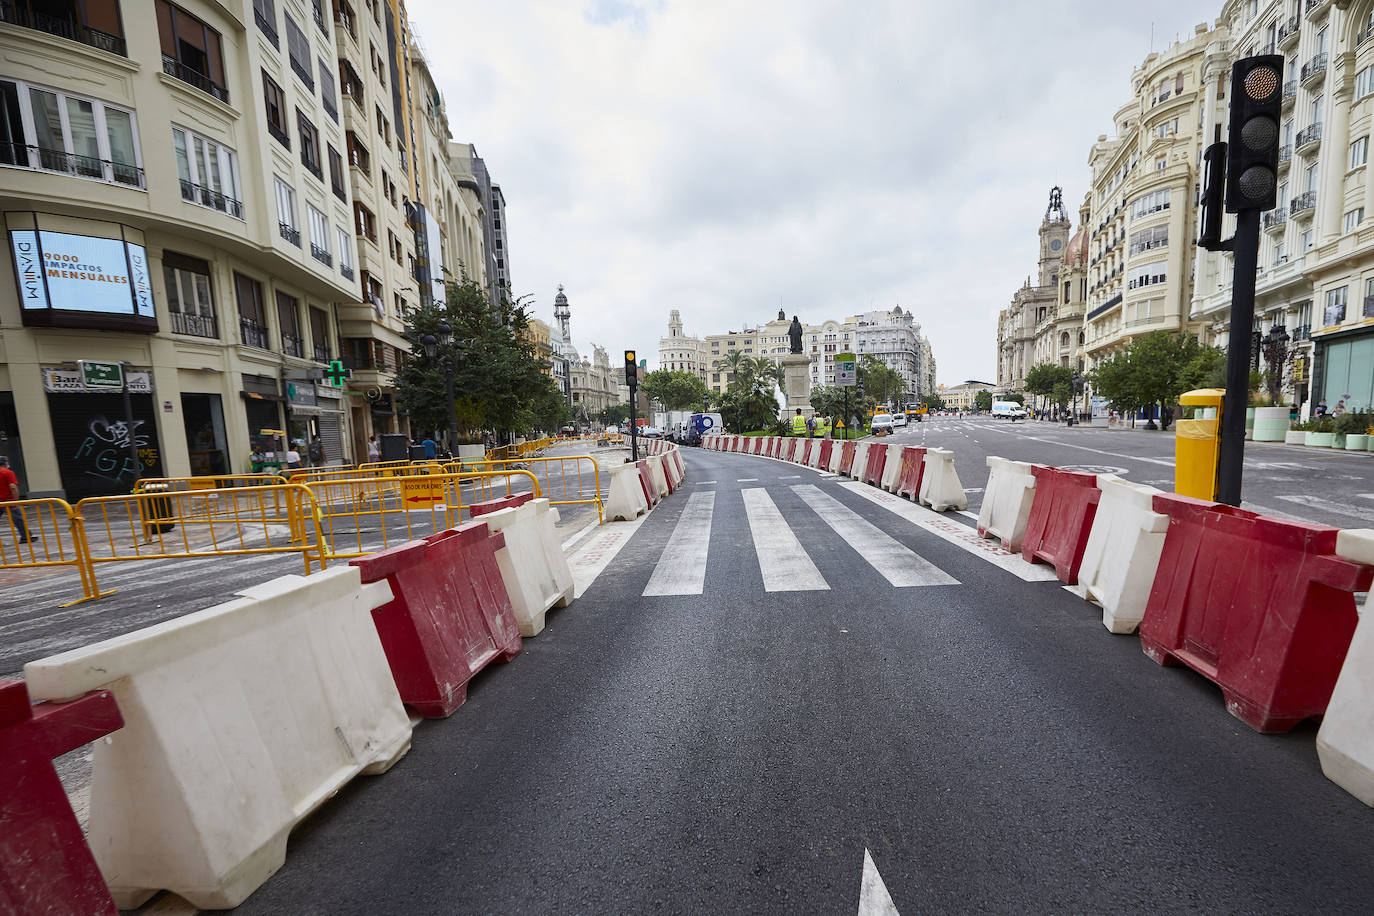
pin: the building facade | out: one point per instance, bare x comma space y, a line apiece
1032, 314
895, 338
681, 352
963, 395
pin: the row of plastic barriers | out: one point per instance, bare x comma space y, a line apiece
637, 486
1264, 607
926, 475
216, 733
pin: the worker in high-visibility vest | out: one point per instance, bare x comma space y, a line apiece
799, 424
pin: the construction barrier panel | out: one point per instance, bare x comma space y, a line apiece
676, 456
847, 458
913, 470
659, 477
1061, 518
1122, 555
239, 720
46, 533
646, 482
856, 464
837, 456
626, 500
820, 456
45, 864
1345, 742
491, 505
1261, 606
873, 467
532, 563
892, 469
940, 486
670, 471
788, 447
449, 615
1007, 501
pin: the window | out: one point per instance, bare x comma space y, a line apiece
350, 83
265, 14
187, 282
1335, 307
319, 235
208, 172
1359, 152
319, 334
1353, 218
1307, 239
252, 315
358, 156
367, 223
310, 145
274, 101
344, 16
336, 181
1315, 112
1364, 82
1280, 253
1310, 183
191, 50
1147, 275
289, 320
383, 128
345, 252
1146, 239
317, 8
57, 132
1368, 310
1153, 202
298, 49
286, 212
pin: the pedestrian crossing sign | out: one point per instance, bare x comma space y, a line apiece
838, 424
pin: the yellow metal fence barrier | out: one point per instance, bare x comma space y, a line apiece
576, 477
45, 533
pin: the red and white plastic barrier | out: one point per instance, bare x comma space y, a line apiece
940, 486
1122, 554
1345, 742
1007, 498
1061, 518
532, 562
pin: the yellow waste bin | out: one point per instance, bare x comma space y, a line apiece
1197, 443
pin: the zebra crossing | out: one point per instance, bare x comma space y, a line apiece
783, 561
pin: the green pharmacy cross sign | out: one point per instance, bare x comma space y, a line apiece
336, 374
101, 375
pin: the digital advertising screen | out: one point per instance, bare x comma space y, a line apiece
60, 271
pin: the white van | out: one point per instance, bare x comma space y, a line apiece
1008, 410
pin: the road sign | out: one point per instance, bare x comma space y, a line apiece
336, 375
838, 424
846, 369
421, 491
101, 376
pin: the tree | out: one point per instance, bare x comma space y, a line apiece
1278, 365
1154, 370
1052, 382
983, 400
736, 364
881, 382
674, 389
1017, 396
933, 401
614, 415
828, 400
749, 402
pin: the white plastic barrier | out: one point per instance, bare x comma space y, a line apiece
856, 468
813, 459
670, 472
681, 467
625, 502
1007, 502
940, 487
532, 563
892, 468
1122, 554
239, 720
836, 453
659, 477
1345, 742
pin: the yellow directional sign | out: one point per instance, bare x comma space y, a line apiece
421, 491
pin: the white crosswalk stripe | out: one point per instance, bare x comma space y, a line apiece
681, 570
898, 565
783, 561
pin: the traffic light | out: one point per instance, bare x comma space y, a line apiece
859, 382
631, 369
1213, 187
1252, 166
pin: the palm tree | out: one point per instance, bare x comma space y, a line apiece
765, 374
737, 365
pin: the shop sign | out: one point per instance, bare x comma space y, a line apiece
1300, 369
71, 381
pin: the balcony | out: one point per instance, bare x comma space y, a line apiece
254, 334
1290, 92
1308, 138
1316, 6
1288, 31
207, 197
277, 131
1302, 332
1302, 203
172, 67
41, 159
195, 325
1139, 322
290, 233
1274, 219
1314, 70
292, 346
312, 167
267, 28
63, 27
1105, 307
321, 353
321, 254
347, 271
1285, 155
1163, 95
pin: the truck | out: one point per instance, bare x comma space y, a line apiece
674, 423
916, 412
1008, 410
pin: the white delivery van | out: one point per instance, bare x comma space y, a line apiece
1008, 410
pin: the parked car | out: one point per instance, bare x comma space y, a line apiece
898, 419
881, 424
651, 432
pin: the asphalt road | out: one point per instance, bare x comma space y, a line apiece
684, 740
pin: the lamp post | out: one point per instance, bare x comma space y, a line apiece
446, 352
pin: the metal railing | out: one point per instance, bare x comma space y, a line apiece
1274, 219
266, 27
1312, 133
321, 254
1288, 29
1302, 203
1285, 153
290, 233
302, 71
281, 135
173, 67
254, 334
195, 325
347, 271
208, 197
1313, 68
45, 534
43, 159
63, 27
576, 477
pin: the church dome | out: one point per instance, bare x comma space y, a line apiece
1077, 253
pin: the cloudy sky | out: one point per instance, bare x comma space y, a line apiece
722, 158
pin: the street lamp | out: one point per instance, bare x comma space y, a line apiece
436, 347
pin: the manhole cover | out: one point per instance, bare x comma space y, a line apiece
1094, 469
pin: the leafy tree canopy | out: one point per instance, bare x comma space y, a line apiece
983, 400
674, 388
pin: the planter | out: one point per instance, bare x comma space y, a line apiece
1319, 440
1357, 442
1270, 424
1295, 437
1338, 440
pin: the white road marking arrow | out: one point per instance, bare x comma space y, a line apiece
874, 900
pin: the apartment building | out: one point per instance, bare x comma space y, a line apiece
167, 209
895, 338
680, 352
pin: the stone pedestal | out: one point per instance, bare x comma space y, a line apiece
796, 385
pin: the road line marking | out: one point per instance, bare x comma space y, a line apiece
747, 480
783, 561
790, 477
956, 533
1096, 451
1316, 502
898, 564
681, 569
968, 514
586, 529
874, 900
595, 554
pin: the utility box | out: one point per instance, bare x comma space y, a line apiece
1197, 443
394, 446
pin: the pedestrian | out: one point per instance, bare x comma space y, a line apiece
9, 491
1321, 408
293, 457
374, 454
316, 452
811, 427
431, 447
798, 424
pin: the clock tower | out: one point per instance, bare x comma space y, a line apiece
1054, 239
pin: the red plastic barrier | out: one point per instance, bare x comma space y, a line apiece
449, 616
804, 453
504, 502
1259, 605
1061, 518
873, 467
789, 449
646, 480
45, 864
913, 469
760, 443
847, 457
823, 462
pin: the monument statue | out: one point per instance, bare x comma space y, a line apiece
795, 332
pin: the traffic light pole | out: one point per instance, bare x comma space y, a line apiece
1231, 459
634, 426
